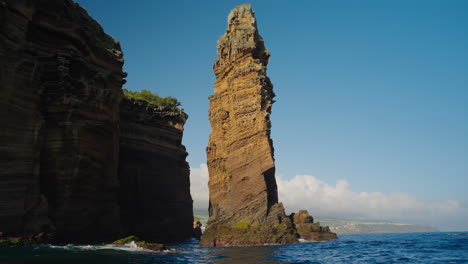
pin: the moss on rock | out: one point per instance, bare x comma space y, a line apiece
126, 240
243, 234
151, 246
140, 243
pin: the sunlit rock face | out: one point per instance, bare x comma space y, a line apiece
308, 230
244, 208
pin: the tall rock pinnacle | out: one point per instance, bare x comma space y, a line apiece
244, 208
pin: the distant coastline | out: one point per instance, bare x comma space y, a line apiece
355, 227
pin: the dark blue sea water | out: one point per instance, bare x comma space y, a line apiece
359, 248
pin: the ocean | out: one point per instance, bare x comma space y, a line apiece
424, 248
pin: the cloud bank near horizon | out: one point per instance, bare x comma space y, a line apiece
324, 200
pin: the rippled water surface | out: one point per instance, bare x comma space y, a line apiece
360, 248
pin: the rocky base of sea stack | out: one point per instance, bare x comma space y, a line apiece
277, 228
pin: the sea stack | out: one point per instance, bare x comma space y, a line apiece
244, 208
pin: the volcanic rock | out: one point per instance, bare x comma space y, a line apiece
140, 243
244, 208
61, 79
154, 177
308, 230
60, 107
197, 228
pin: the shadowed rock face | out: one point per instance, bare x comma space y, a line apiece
244, 208
155, 186
61, 79
60, 106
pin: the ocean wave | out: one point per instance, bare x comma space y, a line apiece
130, 247
301, 240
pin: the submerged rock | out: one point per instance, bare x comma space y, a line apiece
244, 208
140, 243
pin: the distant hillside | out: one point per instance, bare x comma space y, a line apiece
202, 215
354, 227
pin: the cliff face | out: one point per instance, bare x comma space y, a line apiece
244, 208
155, 186
60, 98
61, 79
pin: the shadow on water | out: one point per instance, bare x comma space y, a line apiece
238, 255
191, 253
188, 252
48, 255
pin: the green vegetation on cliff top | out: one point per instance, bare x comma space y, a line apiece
152, 98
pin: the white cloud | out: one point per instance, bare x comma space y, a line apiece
339, 201
199, 186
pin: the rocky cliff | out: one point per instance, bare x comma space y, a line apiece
244, 208
61, 79
60, 94
155, 186
308, 230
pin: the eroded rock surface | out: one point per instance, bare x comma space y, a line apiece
60, 90
155, 186
308, 230
60, 105
244, 208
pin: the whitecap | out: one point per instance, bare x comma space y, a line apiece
131, 247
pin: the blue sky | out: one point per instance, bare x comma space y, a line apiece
371, 92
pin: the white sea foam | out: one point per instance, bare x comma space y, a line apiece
131, 246
301, 240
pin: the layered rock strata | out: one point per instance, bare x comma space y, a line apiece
244, 208
155, 186
61, 79
60, 97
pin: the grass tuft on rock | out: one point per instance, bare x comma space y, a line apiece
152, 98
